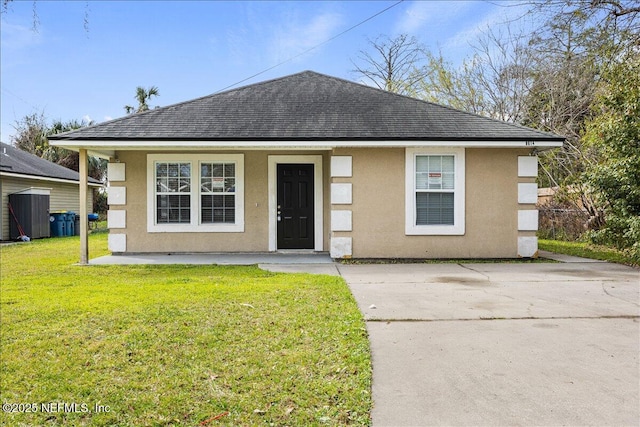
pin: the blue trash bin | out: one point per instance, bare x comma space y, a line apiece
69, 220
57, 224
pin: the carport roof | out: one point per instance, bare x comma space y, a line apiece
307, 106
16, 162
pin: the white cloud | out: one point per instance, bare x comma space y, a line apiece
415, 17
496, 18
86, 118
296, 35
107, 118
241, 51
18, 36
421, 15
268, 36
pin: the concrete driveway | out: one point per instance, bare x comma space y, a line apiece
502, 344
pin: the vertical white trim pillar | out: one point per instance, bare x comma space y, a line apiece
527, 217
84, 210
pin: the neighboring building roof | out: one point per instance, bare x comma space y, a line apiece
305, 107
17, 162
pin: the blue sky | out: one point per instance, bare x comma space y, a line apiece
190, 49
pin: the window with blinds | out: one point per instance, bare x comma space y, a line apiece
435, 187
173, 192
218, 193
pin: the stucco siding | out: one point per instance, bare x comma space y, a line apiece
378, 218
63, 197
377, 207
254, 238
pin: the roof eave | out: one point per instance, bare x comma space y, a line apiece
107, 147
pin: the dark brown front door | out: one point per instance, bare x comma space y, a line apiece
295, 206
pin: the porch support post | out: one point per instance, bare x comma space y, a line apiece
84, 211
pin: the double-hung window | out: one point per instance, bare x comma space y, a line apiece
218, 192
195, 193
173, 192
434, 191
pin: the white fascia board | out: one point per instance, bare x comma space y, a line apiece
109, 147
93, 149
459, 144
46, 178
106, 148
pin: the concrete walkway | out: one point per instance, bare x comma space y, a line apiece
286, 258
316, 263
567, 258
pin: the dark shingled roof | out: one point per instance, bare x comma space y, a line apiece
306, 106
14, 160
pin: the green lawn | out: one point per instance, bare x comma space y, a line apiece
587, 250
175, 345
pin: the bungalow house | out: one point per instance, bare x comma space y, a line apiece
313, 162
21, 171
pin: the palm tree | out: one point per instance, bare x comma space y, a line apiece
97, 167
142, 96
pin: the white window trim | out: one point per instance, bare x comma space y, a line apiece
273, 161
195, 226
458, 227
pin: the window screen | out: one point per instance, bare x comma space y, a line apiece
435, 186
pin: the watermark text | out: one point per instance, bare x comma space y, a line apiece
54, 407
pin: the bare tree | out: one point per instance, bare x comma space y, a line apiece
503, 72
395, 65
618, 18
494, 82
442, 83
566, 76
